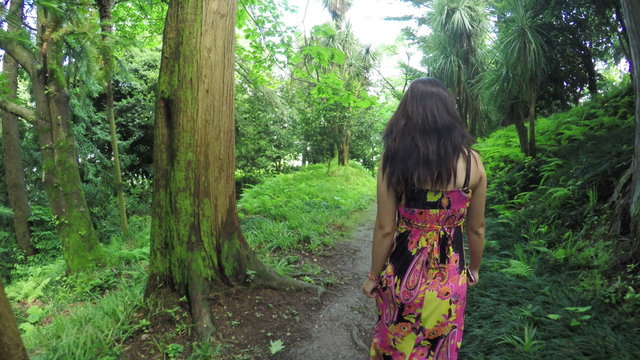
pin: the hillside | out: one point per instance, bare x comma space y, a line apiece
557, 282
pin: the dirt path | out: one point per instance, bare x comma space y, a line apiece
341, 328
249, 321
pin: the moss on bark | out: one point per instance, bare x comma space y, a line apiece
11, 346
196, 241
61, 174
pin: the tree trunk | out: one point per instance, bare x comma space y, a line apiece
11, 346
590, 67
14, 170
631, 10
522, 136
532, 120
623, 36
52, 122
462, 98
343, 153
514, 117
196, 241
343, 147
104, 7
474, 115
59, 159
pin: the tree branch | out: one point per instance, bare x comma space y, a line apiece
19, 52
20, 111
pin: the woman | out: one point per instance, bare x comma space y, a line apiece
429, 183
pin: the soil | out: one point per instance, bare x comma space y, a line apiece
249, 321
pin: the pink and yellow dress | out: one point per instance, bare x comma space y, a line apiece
421, 295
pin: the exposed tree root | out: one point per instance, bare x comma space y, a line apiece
200, 307
267, 278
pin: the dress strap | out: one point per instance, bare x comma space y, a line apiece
467, 174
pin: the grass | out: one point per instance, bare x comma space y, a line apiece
82, 316
553, 283
508, 316
304, 211
90, 315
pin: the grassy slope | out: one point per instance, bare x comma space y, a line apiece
87, 316
546, 290
303, 212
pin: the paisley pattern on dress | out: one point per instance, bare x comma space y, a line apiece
421, 295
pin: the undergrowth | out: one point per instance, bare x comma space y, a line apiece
304, 211
79, 316
557, 282
91, 315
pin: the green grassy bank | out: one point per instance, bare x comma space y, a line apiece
90, 315
558, 281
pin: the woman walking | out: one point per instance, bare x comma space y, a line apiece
431, 186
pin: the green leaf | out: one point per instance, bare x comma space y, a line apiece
553, 316
275, 346
26, 327
578, 309
35, 314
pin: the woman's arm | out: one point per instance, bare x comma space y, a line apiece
383, 231
475, 218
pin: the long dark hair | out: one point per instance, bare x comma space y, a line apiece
424, 139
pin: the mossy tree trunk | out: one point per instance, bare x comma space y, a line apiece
196, 241
631, 10
106, 25
13, 168
52, 121
11, 346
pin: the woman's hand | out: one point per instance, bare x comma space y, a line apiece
369, 287
473, 277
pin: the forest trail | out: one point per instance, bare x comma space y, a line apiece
341, 329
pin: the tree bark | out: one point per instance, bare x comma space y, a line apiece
104, 8
622, 34
631, 10
343, 147
14, 170
343, 153
514, 116
474, 114
61, 174
532, 120
11, 346
589, 66
52, 122
196, 241
522, 136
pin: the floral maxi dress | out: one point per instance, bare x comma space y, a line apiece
421, 295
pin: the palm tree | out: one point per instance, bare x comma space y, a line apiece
454, 51
500, 92
337, 8
519, 68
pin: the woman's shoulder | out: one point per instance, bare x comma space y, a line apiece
476, 157
477, 168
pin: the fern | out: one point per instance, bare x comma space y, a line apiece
5, 213
518, 268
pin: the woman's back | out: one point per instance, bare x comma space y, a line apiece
429, 185
427, 262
